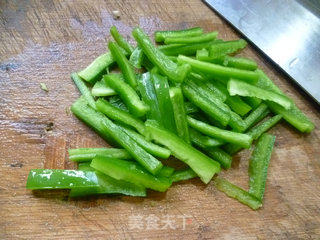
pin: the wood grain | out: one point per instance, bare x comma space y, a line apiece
44, 41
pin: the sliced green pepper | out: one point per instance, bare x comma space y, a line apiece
174, 72
118, 103
240, 62
84, 90
184, 49
190, 108
255, 133
91, 117
258, 165
87, 154
161, 87
204, 166
95, 70
100, 89
136, 58
107, 185
240, 139
235, 192
179, 113
149, 96
256, 115
203, 141
227, 47
237, 87
205, 105
120, 40
194, 39
165, 171
139, 154
131, 172
128, 95
150, 147
121, 116
124, 64
294, 116
252, 101
191, 32
184, 174
60, 179
220, 71
220, 156
237, 105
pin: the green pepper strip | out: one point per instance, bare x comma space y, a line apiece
256, 115
294, 116
95, 70
107, 185
149, 96
60, 179
120, 40
191, 32
203, 141
240, 63
187, 40
220, 71
240, 139
84, 90
255, 133
258, 165
150, 147
100, 89
124, 64
184, 49
121, 116
204, 166
87, 154
220, 156
252, 101
184, 174
237, 105
161, 87
128, 95
136, 58
174, 72
227, 47
131, 172
236, 87
118, 103
91, 117
139, 154
237, 193
165, 172
205, 105
179, 113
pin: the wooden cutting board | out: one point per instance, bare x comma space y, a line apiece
43, 42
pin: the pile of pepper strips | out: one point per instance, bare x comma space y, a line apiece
191, 96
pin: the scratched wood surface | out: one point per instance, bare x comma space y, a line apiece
43, 42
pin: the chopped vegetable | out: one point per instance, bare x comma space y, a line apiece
87, 154
195, 39
224, 48
184, 49
220, 156
200, 163
100, 89
84, 90
136, 57
174, 72
258, 165
240, 139
184, 174
203, 141
165, 171
44, 87
236, 87
128, 95
160, 36
179, 113
161, 87
123, 64
120, 40
235, 192
139, 154
215, 69
130, 172
121, 116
